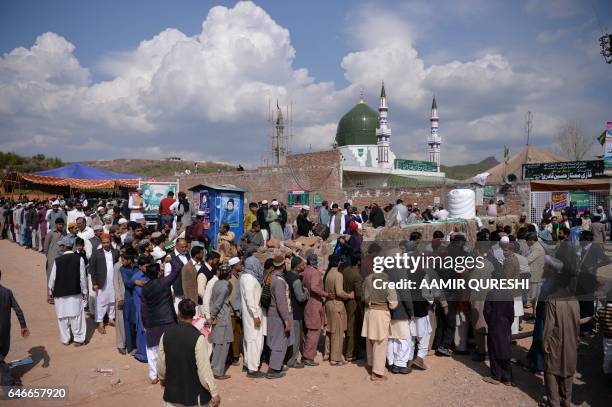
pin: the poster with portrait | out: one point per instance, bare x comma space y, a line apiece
203, 205
154, 192
229, 206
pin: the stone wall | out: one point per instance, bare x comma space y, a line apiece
424, 196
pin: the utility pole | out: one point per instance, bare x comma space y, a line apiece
528, 124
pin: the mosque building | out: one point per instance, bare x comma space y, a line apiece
364, 140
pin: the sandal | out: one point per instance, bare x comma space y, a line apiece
341, 363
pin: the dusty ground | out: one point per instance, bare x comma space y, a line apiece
449, 381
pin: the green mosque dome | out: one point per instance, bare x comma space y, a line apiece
358, 126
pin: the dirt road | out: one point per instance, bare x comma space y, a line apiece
449, 381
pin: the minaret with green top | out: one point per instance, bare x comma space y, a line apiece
383, 131
434, 140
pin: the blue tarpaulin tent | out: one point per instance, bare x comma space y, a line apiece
80, 171
79, 176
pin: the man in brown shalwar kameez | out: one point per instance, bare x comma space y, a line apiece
314, 314
354, 312
335, 312
377, 322
560, 342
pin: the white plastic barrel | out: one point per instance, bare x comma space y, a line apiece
462, 203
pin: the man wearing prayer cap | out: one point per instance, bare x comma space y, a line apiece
101, 267
68, 287
54, 214
96, 241
273, 219
236, 267
107, 222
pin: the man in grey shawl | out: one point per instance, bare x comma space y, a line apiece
253, 317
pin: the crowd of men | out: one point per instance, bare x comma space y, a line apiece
189, 309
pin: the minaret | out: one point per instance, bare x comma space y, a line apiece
434, 140
383, 131
278, 149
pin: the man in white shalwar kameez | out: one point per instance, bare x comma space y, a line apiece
68, 286
204, 310
105, 289
253, 317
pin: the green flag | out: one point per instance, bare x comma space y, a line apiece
602, 138
506, 154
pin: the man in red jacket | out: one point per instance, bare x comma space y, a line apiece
164, 209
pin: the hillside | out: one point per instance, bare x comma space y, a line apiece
158, 168
468, 170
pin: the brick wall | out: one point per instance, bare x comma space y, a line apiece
320, 173
317, 172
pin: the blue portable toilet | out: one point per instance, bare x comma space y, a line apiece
220, 204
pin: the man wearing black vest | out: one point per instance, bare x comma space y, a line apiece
183, 365
68, 287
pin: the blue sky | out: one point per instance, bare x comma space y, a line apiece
129, 79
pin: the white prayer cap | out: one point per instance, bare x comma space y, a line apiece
306, 207
62, 202
264, 202
122, 221
99, 208
200, 213
599, 207
415, 204
233, 261
274, 202
98, 227
55, 203
504, 240
85, 203
524, 214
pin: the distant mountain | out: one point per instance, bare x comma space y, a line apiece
468, 170
159, 168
